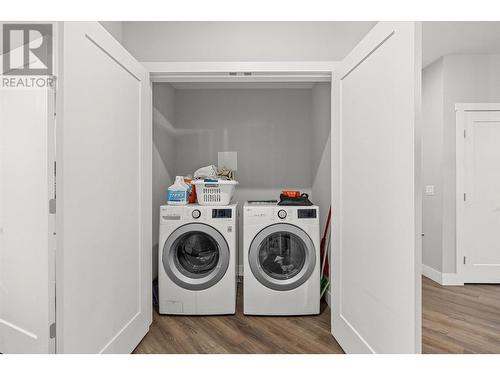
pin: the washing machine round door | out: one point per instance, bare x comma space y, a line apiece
282, 257
196, 256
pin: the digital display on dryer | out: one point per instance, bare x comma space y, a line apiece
222, 213
306, 213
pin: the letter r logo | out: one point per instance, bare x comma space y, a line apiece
27, 49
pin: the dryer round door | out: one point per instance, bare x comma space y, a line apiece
196, 256
282, 257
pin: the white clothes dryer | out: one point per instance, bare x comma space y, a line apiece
281, 260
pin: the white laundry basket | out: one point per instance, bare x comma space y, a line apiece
214, 192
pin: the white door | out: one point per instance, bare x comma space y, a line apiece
481, 204
27, 304
103, 194
376, 203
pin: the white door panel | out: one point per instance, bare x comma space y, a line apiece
104, 195
27, 305
375, 159
482, 204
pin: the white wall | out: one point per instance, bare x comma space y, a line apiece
163, 155
432, 164
242, 41
465, 78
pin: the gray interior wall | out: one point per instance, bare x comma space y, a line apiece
281, 135
163, 155
321, 145
321, 192
432, 164
115, 28
242, 41
268, 128
465, 79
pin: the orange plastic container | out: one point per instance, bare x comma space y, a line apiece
291, 193
192, 194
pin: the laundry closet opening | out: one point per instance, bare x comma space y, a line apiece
279, 130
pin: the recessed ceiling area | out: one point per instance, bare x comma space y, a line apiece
242, 41
289, 41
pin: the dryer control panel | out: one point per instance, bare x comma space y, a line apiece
222, 213
307, 213
256, 214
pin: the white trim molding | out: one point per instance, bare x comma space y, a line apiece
442, 278
274, 71
432, 274
461, 112
460, 109
477, 107
239, 66
452, 279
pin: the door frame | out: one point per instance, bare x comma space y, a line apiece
271, 71
461, 109
234, 71
223, 71
283, 71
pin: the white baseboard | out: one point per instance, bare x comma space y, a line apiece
432, 274
452, 279
442, 278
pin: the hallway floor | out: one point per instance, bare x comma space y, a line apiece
460, 319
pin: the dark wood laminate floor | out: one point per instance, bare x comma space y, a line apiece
240, 334
454, 320
460, 319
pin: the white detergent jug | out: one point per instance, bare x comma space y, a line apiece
178, 193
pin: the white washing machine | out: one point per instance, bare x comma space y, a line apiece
197, 260
281, 260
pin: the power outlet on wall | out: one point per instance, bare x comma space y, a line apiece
429, 190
